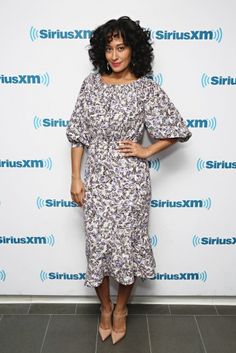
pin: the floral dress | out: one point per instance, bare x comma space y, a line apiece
118, 188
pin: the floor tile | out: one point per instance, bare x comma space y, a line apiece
22, 333
88, 309
135, 340
52, 308
174, 334
148, 309
71, 334
218, 333
226, 309
193, 310
14, 308
73, 329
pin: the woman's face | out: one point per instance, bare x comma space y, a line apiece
118, 55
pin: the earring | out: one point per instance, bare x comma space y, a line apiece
108, 67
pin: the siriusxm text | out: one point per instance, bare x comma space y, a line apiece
23, 240
21, 79
179, 203
176, 276
58, 34
58, 203
220, 165
188, 35
221, 81
47, 122
66, 276
24, 163
217, 241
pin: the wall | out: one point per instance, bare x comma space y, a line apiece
192, 226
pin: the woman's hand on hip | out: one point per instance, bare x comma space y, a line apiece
129, 148
77, 191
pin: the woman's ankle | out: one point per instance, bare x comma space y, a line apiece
120, 309
106, 306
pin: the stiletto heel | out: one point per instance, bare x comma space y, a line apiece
105, 333
118, 335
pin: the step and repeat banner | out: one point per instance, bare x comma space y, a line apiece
44, 60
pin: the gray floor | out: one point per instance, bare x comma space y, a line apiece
72, 328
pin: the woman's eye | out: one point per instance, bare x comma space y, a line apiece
118, 48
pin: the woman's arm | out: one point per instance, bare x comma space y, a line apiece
77, 185
159, 146
130, 148
76, 161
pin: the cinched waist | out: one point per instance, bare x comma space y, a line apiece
104, 143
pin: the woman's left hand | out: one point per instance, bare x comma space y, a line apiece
129, 148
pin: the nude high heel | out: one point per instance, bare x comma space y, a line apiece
118, 335
105, 333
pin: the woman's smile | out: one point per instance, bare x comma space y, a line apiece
115, 64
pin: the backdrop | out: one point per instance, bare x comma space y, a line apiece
192, 226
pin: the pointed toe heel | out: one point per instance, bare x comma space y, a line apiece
118, 335
105, 333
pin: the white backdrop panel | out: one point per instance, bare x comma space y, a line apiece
192, 221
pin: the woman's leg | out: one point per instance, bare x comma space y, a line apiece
123, 295
124, 292
103, 293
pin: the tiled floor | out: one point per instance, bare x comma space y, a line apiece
72, 328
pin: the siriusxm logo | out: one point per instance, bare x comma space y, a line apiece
154, 240
2, 276
44, 33
217, 80
40, 203
27, 240
43, 79
188, 35
61, 276
208, 240
202, 123
49, 122
154, 164
201, 164
182, 203
182, 276
27, 163
157, 78
59, 34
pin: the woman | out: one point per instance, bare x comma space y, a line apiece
114, 106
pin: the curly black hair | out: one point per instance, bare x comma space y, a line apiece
134, 36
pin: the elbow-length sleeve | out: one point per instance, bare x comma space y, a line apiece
162, 119
77, 131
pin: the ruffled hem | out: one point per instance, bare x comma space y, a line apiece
96, 283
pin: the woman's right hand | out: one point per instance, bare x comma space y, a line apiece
77, 191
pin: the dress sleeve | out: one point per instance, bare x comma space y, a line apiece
77, 132
162, 119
